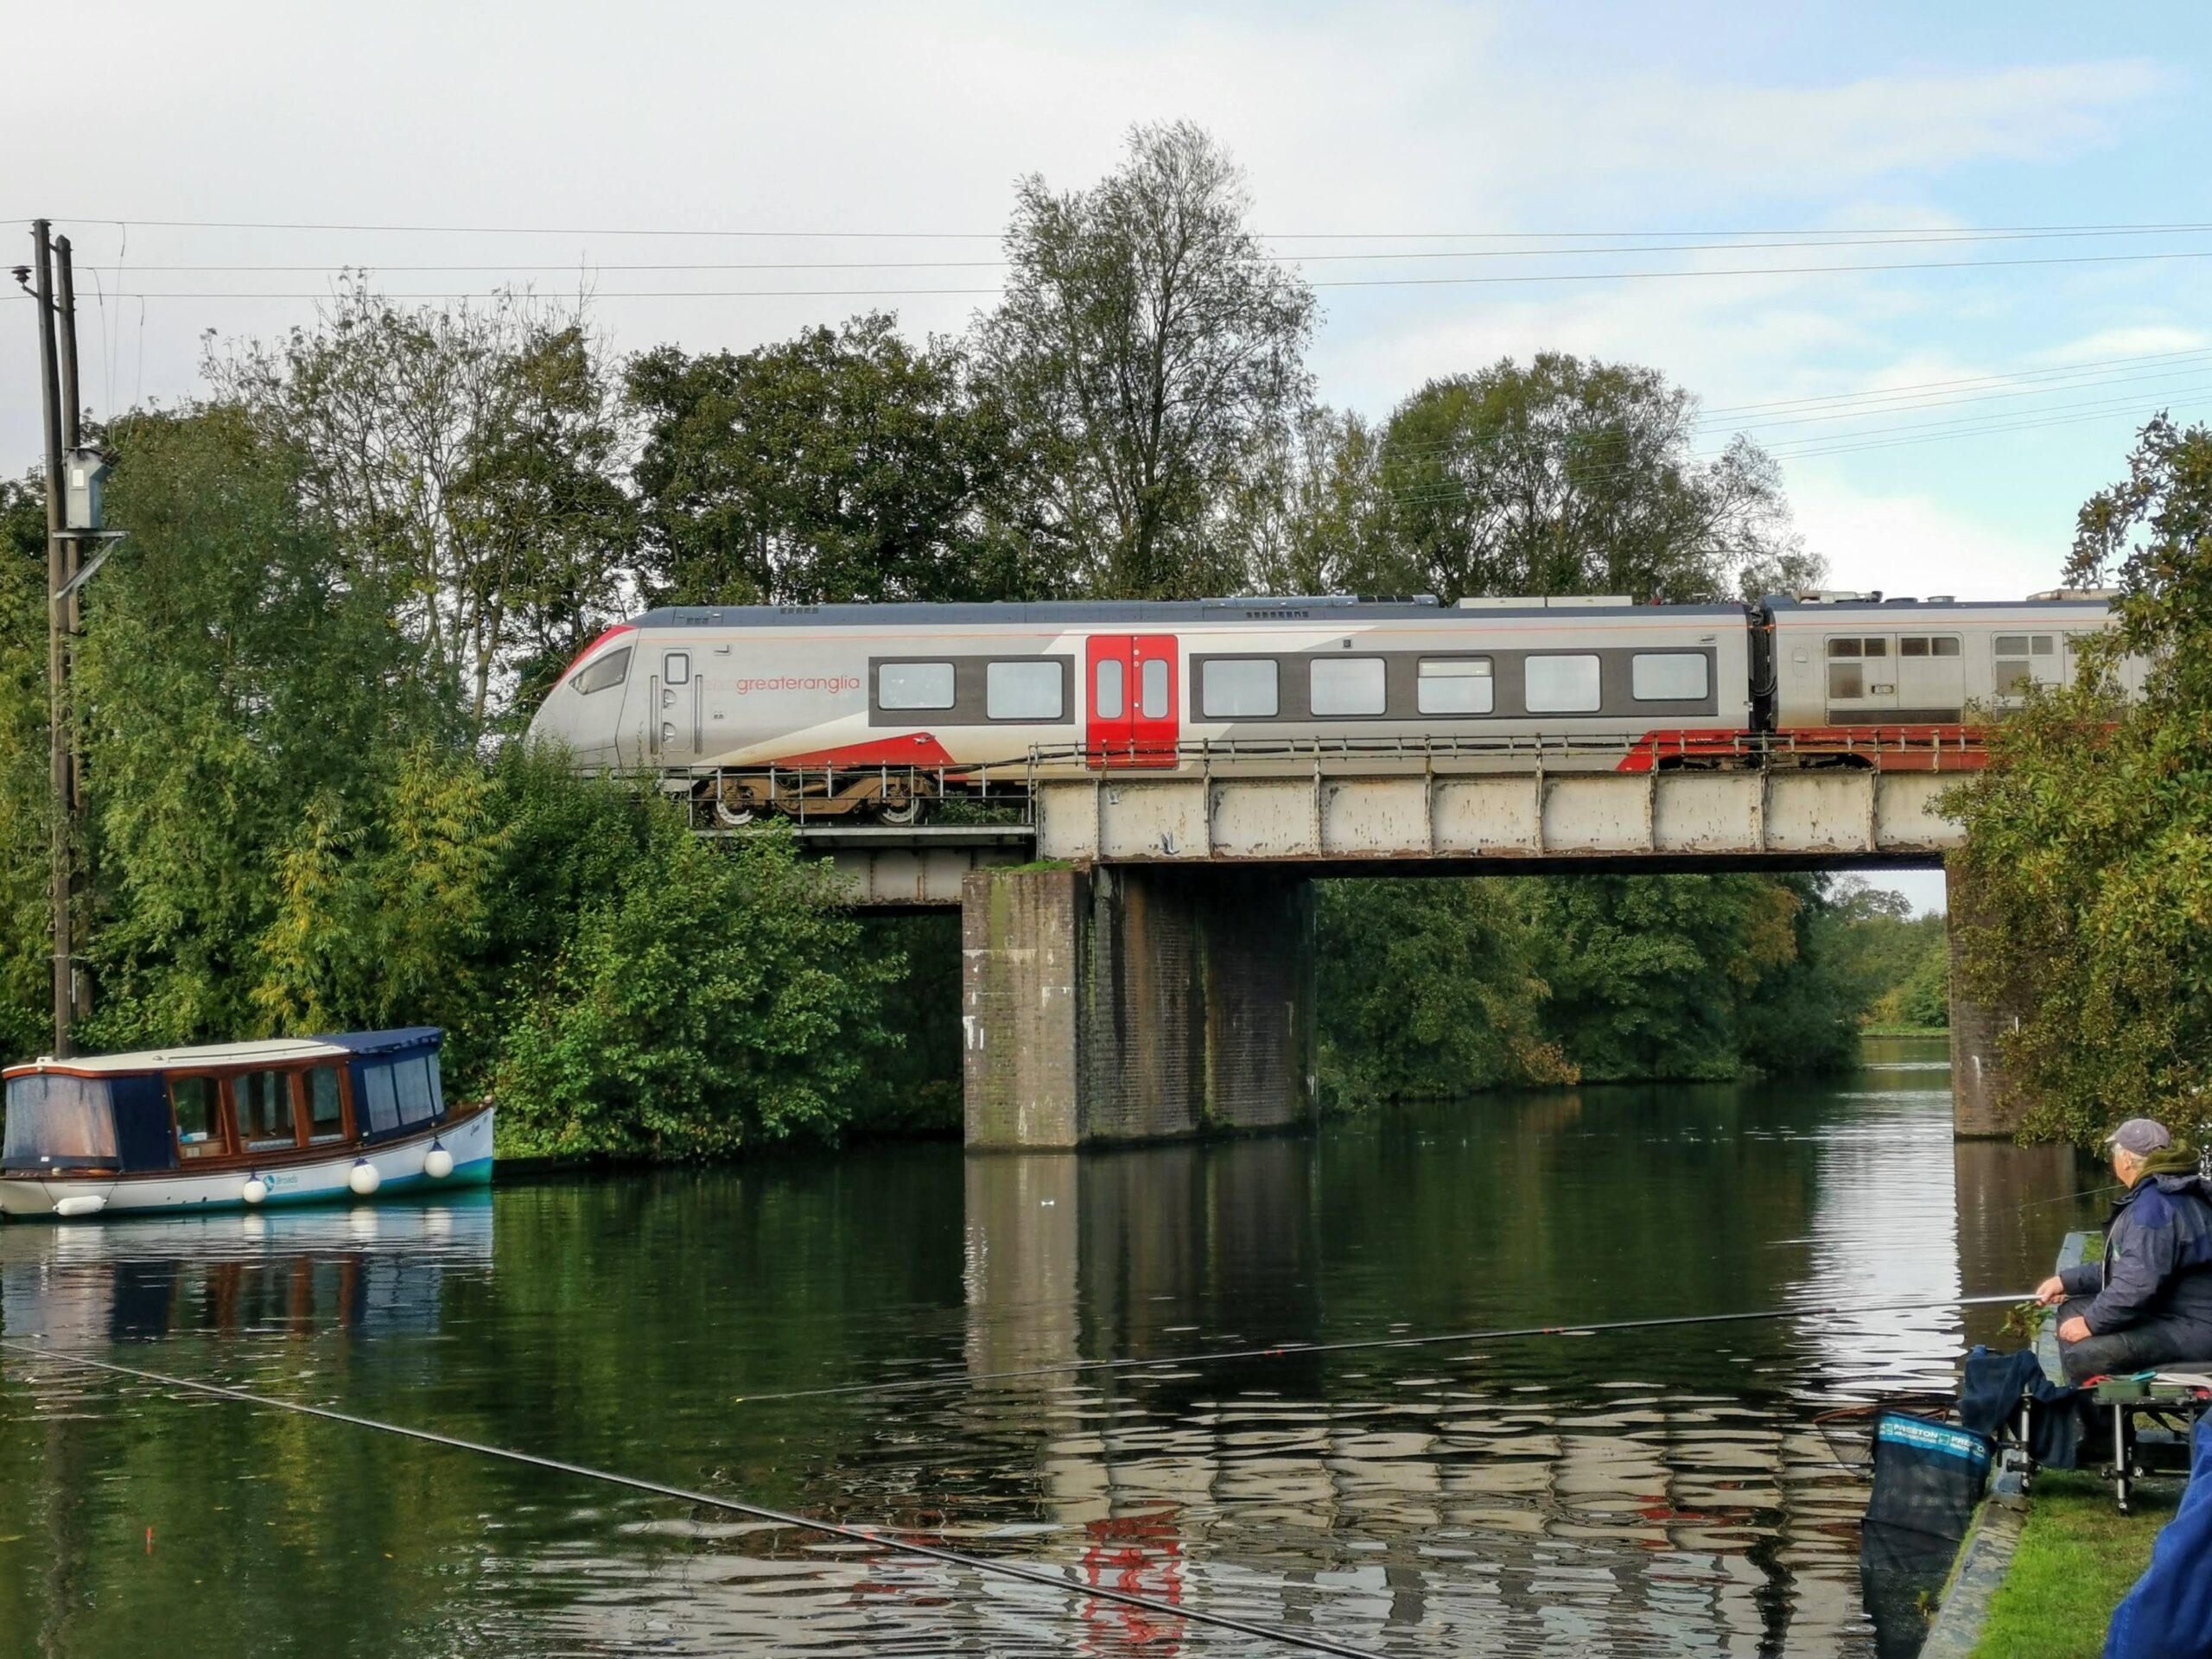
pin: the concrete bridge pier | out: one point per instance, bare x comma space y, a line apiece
1985, 1103
1135, 1003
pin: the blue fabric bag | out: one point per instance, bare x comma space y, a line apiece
2168, 1615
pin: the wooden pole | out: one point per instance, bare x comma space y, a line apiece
57, 824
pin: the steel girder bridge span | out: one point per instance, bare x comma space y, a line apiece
1138, 947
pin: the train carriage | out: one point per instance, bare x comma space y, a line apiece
835, 709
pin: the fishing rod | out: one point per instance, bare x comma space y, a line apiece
872, 1536
1282, 1351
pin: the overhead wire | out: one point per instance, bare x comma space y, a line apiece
873, 1537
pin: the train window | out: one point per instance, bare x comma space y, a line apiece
1872, 645
610, 670
1453, 685
1912, 645
1668, 675
676, 668
914, 685
1847, 680
2041, 645
1023, 690
1239, 688
1152, 689
2011, 644
1562, 686
1843, 647
1944, 644
1108, 697
1347, 685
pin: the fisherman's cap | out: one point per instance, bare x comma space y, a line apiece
2141, 1135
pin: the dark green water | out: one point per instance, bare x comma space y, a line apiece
1662, 1492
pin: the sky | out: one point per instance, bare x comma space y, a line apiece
1938, 426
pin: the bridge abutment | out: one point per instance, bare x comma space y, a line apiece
1985, 1103
1134, 1003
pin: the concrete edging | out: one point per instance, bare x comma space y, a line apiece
1984, 1560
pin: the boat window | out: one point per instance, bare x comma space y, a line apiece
198, 1103
1109, 699
1454, 685
411, 1081
1668, 675
263, 1100
914, 685
1023, 690
1562, 686
53, 1118
1152, 688
384, 1103
1239, 688
1347, 685
326, 1104
610, 670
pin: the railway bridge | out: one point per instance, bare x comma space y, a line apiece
1138, 942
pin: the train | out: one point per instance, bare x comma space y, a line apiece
881, 712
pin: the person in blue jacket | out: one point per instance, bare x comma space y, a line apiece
2148, 1304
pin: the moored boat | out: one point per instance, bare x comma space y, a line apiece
237, 1125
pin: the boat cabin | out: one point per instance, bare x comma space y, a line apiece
207, 1108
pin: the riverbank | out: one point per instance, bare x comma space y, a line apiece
2077, 1557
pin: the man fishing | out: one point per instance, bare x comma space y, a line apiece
2149, 1302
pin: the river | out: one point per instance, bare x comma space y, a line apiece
1660, 1491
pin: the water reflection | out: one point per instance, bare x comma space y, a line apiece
1656, 1491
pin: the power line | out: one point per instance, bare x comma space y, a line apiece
874, 1538
1385, 254
1336, 282
2135, 227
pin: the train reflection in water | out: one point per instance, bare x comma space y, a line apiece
371, 1269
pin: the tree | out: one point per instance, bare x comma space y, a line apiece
2085, 883
1572, 476
26, 958
1309, 517
1145, 353
467, 463
840, 465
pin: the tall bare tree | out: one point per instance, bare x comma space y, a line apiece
1145, 351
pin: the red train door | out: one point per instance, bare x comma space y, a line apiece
1129, 700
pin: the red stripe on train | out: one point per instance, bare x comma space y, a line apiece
917, 749
1885, 748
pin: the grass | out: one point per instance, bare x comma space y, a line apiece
2078, 1557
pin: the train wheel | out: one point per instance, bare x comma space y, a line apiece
735, 817
904, 814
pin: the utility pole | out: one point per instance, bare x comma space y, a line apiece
57, 582
73, 439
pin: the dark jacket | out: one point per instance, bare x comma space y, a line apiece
2158, 1258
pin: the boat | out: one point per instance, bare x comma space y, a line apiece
241, 1125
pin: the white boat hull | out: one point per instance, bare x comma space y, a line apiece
399, 1166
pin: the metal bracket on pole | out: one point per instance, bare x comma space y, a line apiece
90, 567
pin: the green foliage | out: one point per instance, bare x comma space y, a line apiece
1572, 476
1427, 989
712, 1001
2086, 880
1438, 988
1146, 353
837, 465
1895, 965
26, 972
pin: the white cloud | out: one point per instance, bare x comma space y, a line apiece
1914, 545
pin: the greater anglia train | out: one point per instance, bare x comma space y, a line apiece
878, 711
